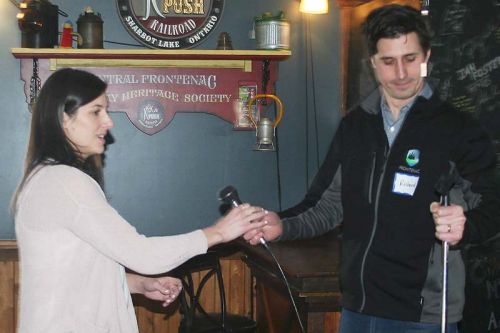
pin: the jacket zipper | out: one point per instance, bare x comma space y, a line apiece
375, 222
370, 189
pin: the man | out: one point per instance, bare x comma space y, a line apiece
379, 180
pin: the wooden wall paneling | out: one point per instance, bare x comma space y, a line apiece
9, 291
332, 322
234, 292
151, 316
269, 300
144, 317
7, 297
209, 297
17, 278
213, 292
169, 320
249, 296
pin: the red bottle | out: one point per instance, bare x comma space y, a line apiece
67, 35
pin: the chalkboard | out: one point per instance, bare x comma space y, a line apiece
465, 67
482, 292
465, 59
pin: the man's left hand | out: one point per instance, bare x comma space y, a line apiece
449, 221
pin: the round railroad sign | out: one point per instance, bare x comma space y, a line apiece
170, 24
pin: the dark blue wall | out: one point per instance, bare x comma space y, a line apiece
167, 183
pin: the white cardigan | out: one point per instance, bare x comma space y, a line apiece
72, 246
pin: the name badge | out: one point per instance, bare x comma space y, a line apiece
404, 184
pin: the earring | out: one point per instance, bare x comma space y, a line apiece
423, 69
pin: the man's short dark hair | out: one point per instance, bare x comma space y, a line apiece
394, 20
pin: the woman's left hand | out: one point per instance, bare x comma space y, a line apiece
449, 221
165, 289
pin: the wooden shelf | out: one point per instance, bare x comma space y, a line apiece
240, 59
143, 54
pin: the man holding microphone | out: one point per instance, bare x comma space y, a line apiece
379, 180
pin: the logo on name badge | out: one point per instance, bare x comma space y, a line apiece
170, 24
413, 157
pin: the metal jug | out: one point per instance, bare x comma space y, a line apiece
38, 22
89, 26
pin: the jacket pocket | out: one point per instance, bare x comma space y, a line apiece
359, 171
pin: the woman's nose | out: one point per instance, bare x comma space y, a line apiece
107, 121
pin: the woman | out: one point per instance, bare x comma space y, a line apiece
73, 245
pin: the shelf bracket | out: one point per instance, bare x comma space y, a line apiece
35, 84
265, 75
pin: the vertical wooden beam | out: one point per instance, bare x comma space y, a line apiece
7, 297
17, 278
345, 23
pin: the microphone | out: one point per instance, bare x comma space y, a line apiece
229, 196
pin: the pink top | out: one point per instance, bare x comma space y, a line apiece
72, 246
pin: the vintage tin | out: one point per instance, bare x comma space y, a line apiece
272, 32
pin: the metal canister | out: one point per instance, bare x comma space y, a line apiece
272, 32
89, 26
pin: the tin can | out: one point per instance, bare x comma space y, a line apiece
272, 32
89, 26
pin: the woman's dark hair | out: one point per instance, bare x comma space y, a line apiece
64, 91
394, 20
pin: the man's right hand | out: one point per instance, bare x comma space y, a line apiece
272, 230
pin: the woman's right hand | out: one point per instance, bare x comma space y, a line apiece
238, 221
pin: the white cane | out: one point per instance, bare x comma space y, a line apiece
443, 186
444, 202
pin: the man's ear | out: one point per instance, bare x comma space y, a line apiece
423, 65
423, 69
428, 55
372, 61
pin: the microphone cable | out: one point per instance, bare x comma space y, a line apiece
230, 196
287, 285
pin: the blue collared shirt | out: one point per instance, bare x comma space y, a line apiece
391, 126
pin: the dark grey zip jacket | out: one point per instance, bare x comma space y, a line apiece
391, 261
